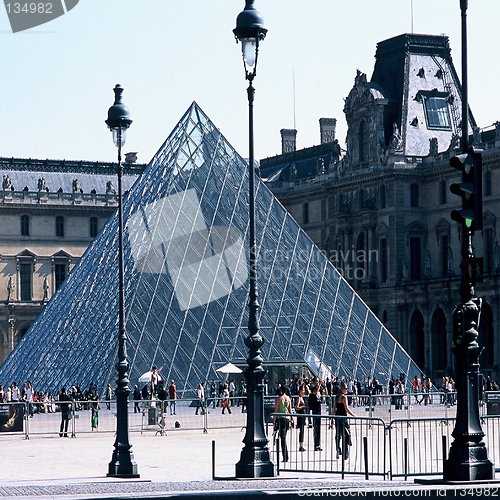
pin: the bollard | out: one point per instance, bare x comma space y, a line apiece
405, 457
365, 453
213, 459
445, 448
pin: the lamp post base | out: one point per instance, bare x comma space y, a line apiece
122, 464
255, 463
468, 462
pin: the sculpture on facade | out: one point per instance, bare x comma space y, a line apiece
42, 185
76, 186
109, 188
7, 183
45, 289
428, 265
433, 146
10, 289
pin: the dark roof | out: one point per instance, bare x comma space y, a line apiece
295, 165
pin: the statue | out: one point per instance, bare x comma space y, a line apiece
45, 289
496, 254
428, 265
109, 188
10, 288
450, 262
42, 186
7, 183
76, 186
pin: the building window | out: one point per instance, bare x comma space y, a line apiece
442, 192
363, 141
60, 273
383, 260
437, 112
487, 184
305, 213
25, 225
60, 226
382, 196
414, 195
488, 250
415, 259
93, 227
445, 243
26, 280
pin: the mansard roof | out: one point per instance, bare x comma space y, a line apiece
58, 175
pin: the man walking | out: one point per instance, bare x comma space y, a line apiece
172, 394
315, 408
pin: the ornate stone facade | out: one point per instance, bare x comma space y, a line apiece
50, 211
382, 212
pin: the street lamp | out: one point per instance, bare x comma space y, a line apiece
122, 463
255, 459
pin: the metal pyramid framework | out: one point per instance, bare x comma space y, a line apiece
186, 275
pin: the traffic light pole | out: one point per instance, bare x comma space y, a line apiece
468, 456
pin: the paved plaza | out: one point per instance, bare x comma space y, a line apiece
173, 465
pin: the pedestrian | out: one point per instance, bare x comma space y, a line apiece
315, 409
162, 398
65, 405
300, 410
137, 398
213, 394
145, 392
94, 410
109, 396
172, 394
283, 406
225, 402
200, 392
342, 429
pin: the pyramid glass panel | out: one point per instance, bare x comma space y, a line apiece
186, 285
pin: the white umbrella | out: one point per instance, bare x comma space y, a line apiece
229, 368
146, 377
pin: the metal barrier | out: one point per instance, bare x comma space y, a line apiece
402, 447
367, 453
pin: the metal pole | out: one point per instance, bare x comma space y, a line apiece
255, 458
122, 463
468, 456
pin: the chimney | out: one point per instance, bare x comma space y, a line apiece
288, 140
130, 157
327, 129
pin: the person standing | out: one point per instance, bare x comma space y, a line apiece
172, 394
315, 409
137, 398
200, 392
94, 410
300, 410
109, 396
65, 405
225, 403
342, 434
283, 405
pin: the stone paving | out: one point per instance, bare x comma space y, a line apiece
178, 464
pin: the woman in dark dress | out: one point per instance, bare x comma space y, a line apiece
341, 424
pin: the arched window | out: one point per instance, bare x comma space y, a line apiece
416, 340
439, 344
362, 141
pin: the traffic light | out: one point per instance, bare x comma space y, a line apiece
470, 189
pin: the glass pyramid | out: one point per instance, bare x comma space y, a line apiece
186, 279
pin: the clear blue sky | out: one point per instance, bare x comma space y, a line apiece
57, 79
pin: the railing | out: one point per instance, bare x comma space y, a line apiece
389, 447
329, 451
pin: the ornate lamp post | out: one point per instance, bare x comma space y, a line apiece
122, 463
255, 459
468, 456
